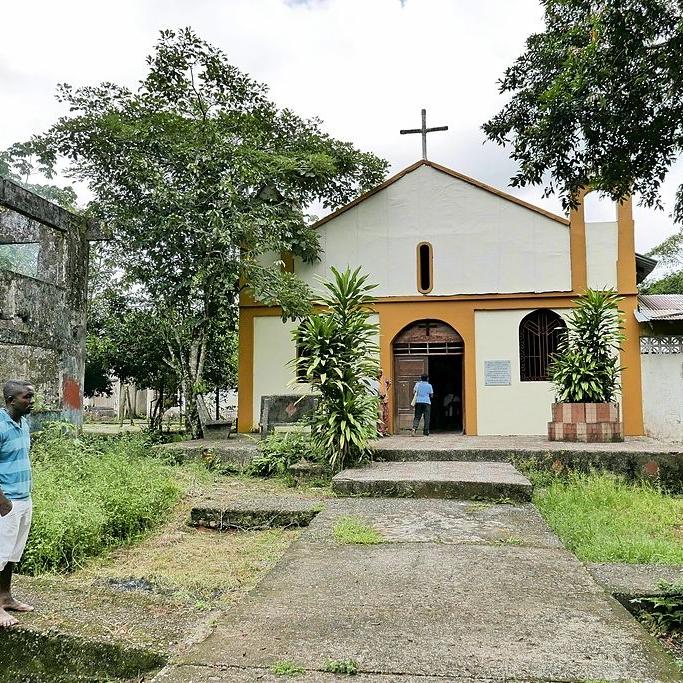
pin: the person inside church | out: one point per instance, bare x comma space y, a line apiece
422, 395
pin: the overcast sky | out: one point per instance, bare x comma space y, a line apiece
365, 67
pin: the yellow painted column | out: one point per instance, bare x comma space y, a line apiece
577, 245
245, 372
631, 378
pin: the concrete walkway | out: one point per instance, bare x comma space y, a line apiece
458, 591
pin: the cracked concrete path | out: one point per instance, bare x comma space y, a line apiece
459, 591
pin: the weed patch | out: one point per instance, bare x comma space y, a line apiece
604, 518
353, 530
91, 494
341, 666
287, 668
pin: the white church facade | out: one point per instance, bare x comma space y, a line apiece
473, 285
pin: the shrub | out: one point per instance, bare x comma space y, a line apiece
586, 368
339, 357
91, 494
662, 614
277, 452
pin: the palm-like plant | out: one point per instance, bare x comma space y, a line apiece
586, 368
338, 356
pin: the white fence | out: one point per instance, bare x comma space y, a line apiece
662, 374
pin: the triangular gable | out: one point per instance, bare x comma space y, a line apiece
447, 171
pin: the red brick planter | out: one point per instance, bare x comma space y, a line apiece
590, 422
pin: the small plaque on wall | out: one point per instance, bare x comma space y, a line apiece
497, 373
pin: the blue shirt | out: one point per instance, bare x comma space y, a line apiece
15, 467
423, 391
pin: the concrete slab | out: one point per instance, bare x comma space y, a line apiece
235, 453
221, 674
640, 457
634, 579
417, 520
436, 610
441, 479
255, 513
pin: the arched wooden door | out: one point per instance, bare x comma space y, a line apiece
435, 349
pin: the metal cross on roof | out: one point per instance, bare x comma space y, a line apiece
424, 130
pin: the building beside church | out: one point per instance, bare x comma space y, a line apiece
43, 299
473, 288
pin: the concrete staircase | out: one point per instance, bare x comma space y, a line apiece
497, 481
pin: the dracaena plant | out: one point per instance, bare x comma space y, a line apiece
586, 367
338, 355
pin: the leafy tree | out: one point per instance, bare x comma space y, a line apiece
596, 100
125, 339
18, 164
669, 284
200, 177
668, 253
339, 357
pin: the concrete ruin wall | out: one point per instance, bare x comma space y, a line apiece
43, 296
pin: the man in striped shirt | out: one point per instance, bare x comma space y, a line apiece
15, 491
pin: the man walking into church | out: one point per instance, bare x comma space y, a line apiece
15, 491
422, 396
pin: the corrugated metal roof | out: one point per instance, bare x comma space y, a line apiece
654, 307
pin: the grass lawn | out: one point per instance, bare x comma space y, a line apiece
603, 518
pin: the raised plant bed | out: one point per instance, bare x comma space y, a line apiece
588, 422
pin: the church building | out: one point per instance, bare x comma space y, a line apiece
473, 287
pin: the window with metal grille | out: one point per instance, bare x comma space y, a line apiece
424, 268
540, 333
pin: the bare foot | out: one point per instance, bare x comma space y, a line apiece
7, 620
15, 606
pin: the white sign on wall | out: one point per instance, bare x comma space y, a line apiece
497, 373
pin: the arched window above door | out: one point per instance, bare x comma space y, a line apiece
539, 335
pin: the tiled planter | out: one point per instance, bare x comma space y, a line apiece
589, 422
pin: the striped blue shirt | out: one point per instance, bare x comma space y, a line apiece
15, 467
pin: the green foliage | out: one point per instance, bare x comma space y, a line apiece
662, 614
287, 668
353, 530
338, 356
198, 174
90, 495
595, 100
602, 518
669, 284
586, 368
277, 452
668, 253
19, 258
18, 164
341, 666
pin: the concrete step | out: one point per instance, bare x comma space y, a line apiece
435, 479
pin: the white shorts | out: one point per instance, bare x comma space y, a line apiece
14, 528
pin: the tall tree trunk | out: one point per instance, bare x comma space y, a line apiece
192, 385
121, 403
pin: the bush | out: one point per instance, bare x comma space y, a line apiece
92, 494
339, 357
662, 614
278, 452
586, 367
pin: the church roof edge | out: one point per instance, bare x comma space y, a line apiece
447, 171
